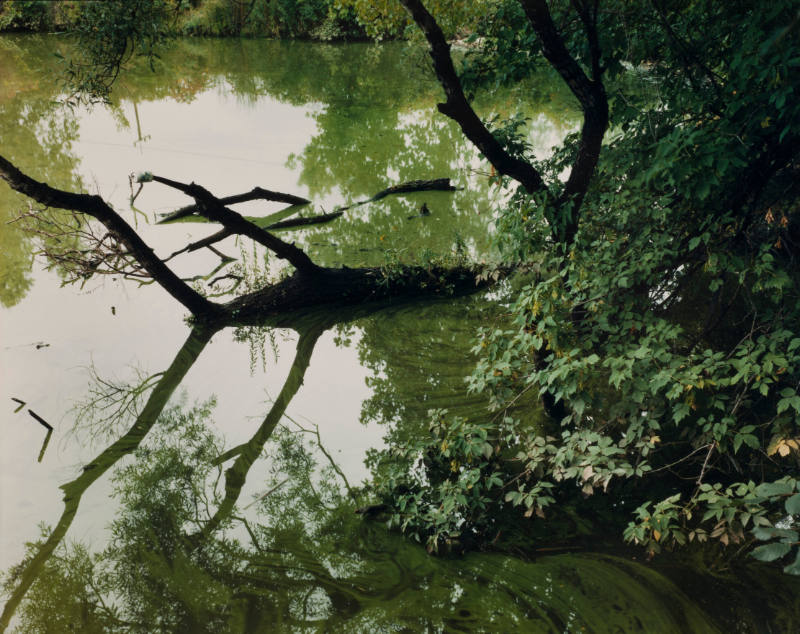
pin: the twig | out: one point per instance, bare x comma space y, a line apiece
672, 464
270, 492
45, 443
705, 463
40, 419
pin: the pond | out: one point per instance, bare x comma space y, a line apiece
208, 481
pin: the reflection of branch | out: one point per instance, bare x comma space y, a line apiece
45, 443
268, 493
315, 432
111, 402
248, 453
74, 490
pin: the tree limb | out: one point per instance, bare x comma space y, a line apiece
257, 193
458, 108
97, 208
212, 208
592, 97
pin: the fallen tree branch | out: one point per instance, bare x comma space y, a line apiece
280, 304
257, 193
304, 222
97, 208
212, 208
219, 236
40, 420
437, 184
310, 287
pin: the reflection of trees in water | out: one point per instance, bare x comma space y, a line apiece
303, 561
419, 356
74, 490
37, 134
370, 134
187, 554
184, 554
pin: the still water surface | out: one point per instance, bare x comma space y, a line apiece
222, 497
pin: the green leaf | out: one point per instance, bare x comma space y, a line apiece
771, 552
793, 504
765, 533
772, 489
793, 568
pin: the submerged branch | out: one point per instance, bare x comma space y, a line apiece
310, 287
212, 208
437, 184
257, 193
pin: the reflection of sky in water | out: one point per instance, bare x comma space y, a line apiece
230, 146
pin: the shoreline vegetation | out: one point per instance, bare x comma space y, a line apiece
313, 20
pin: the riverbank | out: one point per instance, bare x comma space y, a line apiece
317, 20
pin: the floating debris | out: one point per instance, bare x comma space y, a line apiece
40, 419
45, 443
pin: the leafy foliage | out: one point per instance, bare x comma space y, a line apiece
664, 334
